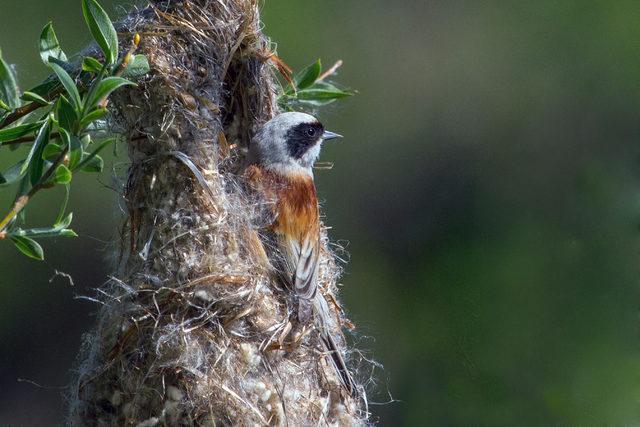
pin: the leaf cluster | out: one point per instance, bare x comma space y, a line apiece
61, 122
309, 88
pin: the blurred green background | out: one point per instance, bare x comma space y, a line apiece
487, 188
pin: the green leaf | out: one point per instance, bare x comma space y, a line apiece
69, 85
9, 134
34, 161
49, 45
308, 75
29, 247
58, 230
64, 223
67, 116
51, 151
92, 117
8, 86
44, 232
60, 222
322, 91
95, 164
101, 28
47, 88
91, 65
62, 175
104, 89
12, 174
88, 161
34, 97
75, 148
138, 66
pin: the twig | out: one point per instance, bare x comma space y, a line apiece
22, 201
20, 112
330, 71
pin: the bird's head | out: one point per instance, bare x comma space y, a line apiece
290, 142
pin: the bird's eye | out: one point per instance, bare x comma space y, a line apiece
311, 131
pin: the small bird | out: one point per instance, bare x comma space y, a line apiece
281, 157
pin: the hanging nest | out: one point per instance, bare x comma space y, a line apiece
185, 332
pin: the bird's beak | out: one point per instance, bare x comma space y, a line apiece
330, 135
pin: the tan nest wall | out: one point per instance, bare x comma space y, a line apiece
185, 331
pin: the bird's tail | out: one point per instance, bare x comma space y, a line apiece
322, 311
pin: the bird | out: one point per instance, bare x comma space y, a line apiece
279, 166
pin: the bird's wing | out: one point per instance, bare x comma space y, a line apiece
298, 269
305, 283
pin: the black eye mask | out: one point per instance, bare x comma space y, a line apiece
302, 137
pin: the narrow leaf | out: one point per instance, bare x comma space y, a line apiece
75, 151
89, 157
37, 162
74, 147
101, 28
104, 89
308, 75
44, 232
322, 91
49, 45
47, 88
67, 116
59, 221
69, 85
9, 134
51, 151
34, 97
95, 164
93, 116
34, 158
91, 65
64, 223
62, 175
138, 66
8, 86
29, 247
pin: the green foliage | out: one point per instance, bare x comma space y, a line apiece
9, 98
309, 89
138, 66
49, 45
34, 97
15, 132
91, 65
102, 29
308, 75
56, 119
29, 247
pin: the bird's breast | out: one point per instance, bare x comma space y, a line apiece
297, 208
295, 202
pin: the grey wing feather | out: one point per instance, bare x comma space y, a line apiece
304, 279
297, 266
305, 276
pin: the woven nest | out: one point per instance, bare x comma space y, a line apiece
186, 325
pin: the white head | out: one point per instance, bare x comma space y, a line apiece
290, 142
